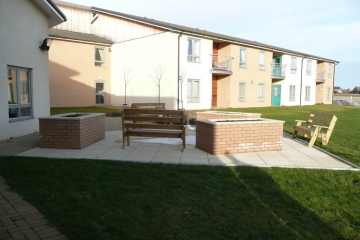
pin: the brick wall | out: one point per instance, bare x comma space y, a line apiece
203, 116
238, 138
65, 133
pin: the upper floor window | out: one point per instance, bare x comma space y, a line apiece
307, 93
193, 50
292, 93
19, 93
261, 92
308, 67
329, 70
243, 57
293, 65
242, 92
99, 57
193, 91
262, 60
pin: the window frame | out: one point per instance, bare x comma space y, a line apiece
18, 106
293, 65
193, 98
97, 61
307, 93
308, 67
243, 64
261, 98
329, 70
104, 94
328, 94
191, 57
292, 97
242, 98
262, 66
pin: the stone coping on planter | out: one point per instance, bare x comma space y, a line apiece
239, 121
63, 116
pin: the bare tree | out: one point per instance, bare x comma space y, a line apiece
159, 71
126, 77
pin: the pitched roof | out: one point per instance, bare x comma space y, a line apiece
49, 8
207, 34
83, 37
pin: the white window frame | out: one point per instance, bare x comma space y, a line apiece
101, 62
307, 93
242, 62
242, 98
293, 65
261, 95
308, 67
262, 65
193, 97
292, 90
100, 94
328, 94
193, 57
19, 105
329, 70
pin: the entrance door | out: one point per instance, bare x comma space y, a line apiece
99, 93
276, 95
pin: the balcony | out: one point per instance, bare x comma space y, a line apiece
320, 76
278, 71
221, 64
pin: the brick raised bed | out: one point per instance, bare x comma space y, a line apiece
225, 115
59, 131
244, 135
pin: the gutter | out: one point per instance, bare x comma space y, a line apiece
302, 60
332, 99
178, 82
56, 9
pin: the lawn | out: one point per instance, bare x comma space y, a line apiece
94, 109
89, 199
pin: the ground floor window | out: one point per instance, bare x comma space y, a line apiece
292, 93
19, 93
193, 91
328, 94
99, 93
261, 91
242, 92
307, 93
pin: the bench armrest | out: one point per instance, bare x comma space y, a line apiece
320, 127
299, 122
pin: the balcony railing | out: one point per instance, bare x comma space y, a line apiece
221, 64
320, 75
278, 70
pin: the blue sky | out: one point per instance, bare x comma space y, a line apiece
329, 29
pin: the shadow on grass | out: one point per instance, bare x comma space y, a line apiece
115, 200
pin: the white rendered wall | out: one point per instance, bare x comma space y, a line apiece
145, 54
23, 28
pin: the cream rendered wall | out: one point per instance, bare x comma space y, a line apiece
329, 83
73, 74
251, 75
23, 28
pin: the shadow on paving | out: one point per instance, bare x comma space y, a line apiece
96, 199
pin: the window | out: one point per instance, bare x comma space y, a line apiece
242, 92
293, 65
100, 57
329, 70
99, 93
262, 60
243, 57
193, 91
307, 93
19, 93
193, 50
292, 93
328, 94
261, 90
308, 67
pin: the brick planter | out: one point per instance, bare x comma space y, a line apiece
239, 135
60, 131
225, 115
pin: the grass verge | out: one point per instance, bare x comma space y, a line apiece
89, 199
94, 109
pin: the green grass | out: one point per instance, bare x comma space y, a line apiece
89, 199
344, 141
94, 109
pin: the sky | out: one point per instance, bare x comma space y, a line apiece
324, 28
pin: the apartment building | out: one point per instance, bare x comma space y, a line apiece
197, 69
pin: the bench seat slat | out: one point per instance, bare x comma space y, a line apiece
153, 126
137, 111
153, 119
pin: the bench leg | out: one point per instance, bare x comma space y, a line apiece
128, 140
294, 134
313, 138
123, 147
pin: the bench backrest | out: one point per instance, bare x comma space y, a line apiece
322, 119
153, 118
148, 105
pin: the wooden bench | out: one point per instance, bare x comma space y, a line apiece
157, 123
149, 105
319, 125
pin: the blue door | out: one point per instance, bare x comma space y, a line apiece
276, 95
276, 71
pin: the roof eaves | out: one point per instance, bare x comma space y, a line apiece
56, 9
